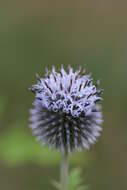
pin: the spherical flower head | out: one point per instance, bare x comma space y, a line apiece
66, 112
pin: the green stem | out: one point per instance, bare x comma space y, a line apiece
64, 171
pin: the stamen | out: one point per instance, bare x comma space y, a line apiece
100, 91
89, 96
98, 83
94, 88
48, 76
54, 77
78, 74
38, 77
70, 69
94, 94
32, 90
86, 84
48, 87
61, 87
89, 82
84, 71
70, 85
61, 74
80, 87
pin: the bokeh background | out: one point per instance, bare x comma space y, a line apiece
35, 34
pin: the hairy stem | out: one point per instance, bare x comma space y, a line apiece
64, 171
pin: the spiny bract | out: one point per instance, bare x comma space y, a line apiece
66, 113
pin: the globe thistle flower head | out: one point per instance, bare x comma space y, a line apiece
66, 112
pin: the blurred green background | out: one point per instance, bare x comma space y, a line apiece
35, 34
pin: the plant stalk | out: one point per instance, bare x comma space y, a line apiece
64, 171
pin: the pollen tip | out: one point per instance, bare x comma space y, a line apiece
37, 76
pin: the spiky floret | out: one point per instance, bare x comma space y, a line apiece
66, 112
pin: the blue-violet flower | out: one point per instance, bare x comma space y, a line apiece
66, 113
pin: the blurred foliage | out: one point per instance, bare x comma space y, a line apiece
75, 181
38, 33
3, 103
18, 146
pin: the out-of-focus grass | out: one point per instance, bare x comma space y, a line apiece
17, 146
34, 35
3, 102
